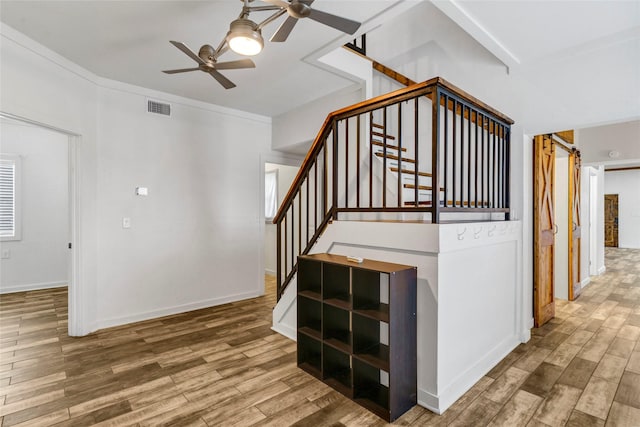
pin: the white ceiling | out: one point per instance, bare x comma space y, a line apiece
128, 41
528, 31
548, 46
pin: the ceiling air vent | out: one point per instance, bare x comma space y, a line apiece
158, 108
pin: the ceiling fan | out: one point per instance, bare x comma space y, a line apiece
245, 36
207, 62
299, 9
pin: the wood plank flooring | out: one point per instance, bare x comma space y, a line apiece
224, 366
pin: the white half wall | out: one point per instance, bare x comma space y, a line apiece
459, 338
40, 259
626, 184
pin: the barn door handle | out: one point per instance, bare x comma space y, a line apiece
575, 226
555, 228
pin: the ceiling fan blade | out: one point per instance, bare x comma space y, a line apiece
191, 54
284, 30
234, 65
228, 84
339, 23
181, 70
279, 3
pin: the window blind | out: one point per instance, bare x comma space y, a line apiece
7, 198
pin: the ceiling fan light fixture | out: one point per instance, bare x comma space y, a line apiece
244, 38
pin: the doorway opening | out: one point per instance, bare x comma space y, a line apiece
59, 189
279, 174
557, 225
611, 220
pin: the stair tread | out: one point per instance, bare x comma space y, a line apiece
381, 144
421, 187
449, 203
394, 157
394, 169
391, 137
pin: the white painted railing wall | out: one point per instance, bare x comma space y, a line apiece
471, 310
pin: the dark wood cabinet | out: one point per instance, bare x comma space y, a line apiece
357, 330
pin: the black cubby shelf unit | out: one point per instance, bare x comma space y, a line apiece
357, 330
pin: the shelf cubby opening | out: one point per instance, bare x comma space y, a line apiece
368, 390
309, 316
310, 355
337, 327
309, 278
336, 368
336, 285
366, 341
369, 297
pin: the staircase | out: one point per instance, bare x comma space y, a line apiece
398, 163
428, 152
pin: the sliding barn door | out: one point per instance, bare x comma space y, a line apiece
574, 225
543, 235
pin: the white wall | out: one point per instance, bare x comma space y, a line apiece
286, 175
196, 240
561, 220
40, 258
626, 184
199, 227
300, 126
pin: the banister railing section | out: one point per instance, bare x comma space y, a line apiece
429, 149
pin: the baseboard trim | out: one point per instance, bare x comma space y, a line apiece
429, 401
585, 282
32, 287
168, 311
285, 330
269, 272
602, 269
463, 382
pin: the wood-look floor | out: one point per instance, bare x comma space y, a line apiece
224, 366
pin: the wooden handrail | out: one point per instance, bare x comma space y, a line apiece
459, 92
370, 105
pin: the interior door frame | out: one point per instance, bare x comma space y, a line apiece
76, 323
575, 224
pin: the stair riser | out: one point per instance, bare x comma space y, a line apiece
390, 151
408, 194
391, 163
410, 179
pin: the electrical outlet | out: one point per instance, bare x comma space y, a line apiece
126, 222
6, 254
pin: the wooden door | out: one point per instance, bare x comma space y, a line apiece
611, 220
543, 228
575, 286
